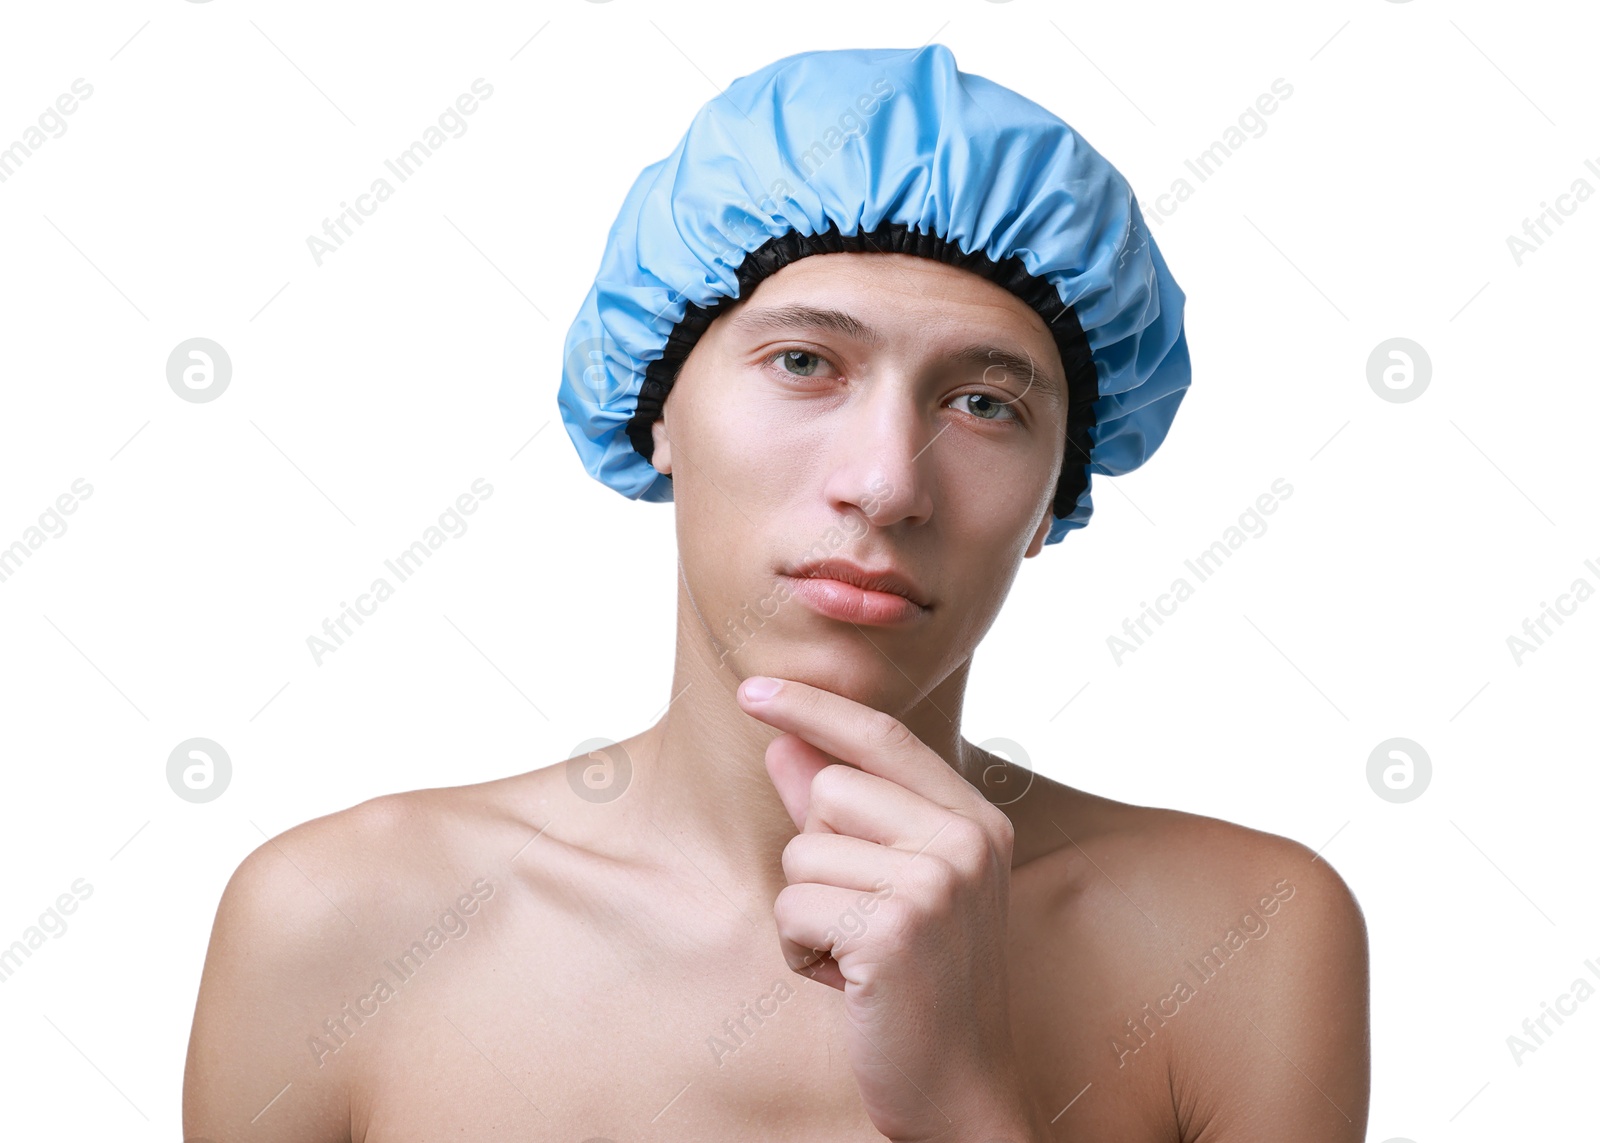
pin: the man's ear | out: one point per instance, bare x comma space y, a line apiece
1043, 530
661, 453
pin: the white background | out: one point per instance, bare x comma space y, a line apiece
370, 391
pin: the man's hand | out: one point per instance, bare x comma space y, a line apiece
899, 886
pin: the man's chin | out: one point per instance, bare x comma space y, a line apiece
863, 675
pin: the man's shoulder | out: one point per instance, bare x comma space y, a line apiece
1188, 865
394, 846
1165, 887
1232, 865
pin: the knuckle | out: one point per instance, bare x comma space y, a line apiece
968, 840
796, 855
829, 785
1003, 825
784, 906
1005, 835
889, 732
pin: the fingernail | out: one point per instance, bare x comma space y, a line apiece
758, 688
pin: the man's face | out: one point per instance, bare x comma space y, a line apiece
898, 439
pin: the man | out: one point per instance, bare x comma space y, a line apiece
801, 906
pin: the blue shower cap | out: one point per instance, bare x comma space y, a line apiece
891, 150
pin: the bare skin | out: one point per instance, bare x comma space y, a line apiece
612, 967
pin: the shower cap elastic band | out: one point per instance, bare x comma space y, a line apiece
888, 150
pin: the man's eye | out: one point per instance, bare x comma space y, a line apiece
988, 408
799, 362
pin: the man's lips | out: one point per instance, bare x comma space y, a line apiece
851, 604
885, 579
841, 590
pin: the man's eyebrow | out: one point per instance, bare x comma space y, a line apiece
1022, 368
807, 317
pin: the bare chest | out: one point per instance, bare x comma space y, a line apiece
611, 1032
594, 1054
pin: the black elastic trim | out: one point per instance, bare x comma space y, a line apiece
1083, 386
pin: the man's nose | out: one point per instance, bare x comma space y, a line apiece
883, 457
